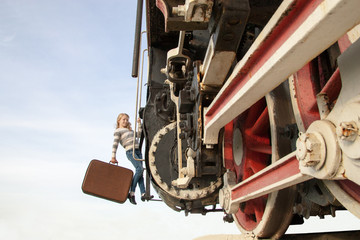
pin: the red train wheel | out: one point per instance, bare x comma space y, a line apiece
250, 144
322, 75
253, 128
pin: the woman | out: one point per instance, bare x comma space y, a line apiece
125, 136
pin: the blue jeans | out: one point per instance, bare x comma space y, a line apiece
138, 176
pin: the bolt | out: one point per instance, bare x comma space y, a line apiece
228, 218
310, 150
179, 10
347, 131
182, 136
209, 146
298, 208
301, 146
182, 125
163, 70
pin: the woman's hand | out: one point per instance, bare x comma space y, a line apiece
114, 161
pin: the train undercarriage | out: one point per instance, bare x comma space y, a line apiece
255, 106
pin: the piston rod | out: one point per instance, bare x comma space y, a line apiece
279, 175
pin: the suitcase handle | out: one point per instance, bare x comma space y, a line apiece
113, 163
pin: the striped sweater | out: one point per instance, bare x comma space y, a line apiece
125, 137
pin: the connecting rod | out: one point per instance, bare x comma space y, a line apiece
283, 173
293, 36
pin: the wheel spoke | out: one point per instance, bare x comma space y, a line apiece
260, 208
261, 125
257, 164
258, 144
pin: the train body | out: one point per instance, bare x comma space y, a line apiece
254, 105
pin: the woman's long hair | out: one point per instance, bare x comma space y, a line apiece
118, 120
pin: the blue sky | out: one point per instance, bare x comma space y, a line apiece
65, 74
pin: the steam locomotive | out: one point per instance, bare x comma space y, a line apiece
253, 105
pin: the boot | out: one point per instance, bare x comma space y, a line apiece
132, 199
143, 197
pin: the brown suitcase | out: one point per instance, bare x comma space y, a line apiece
107, 181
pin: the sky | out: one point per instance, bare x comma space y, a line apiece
65, 74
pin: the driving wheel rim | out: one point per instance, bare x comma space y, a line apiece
258, 146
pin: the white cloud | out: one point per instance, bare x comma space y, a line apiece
8, 38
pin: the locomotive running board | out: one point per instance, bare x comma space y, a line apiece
297, 32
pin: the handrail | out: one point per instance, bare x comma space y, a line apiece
148, 196
138, 101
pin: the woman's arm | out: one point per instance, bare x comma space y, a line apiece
115, 146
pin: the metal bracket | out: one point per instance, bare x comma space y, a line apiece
185, 174
178, 64
193, 15
194, 10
